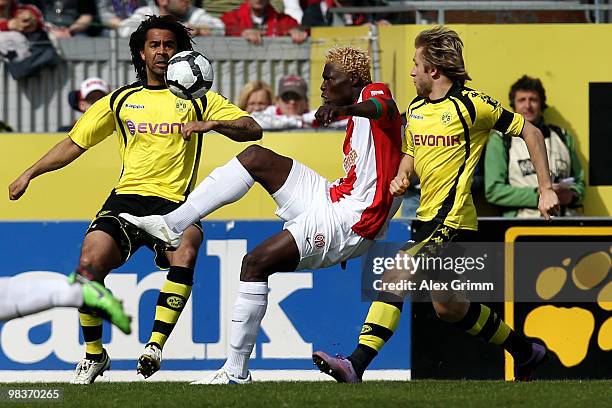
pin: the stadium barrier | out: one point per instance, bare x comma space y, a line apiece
40, 103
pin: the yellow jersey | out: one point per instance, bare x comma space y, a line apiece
446, 138
148, 120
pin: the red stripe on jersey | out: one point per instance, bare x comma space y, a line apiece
345, 185
388, 157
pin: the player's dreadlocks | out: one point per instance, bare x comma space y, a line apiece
351, 60
138, 38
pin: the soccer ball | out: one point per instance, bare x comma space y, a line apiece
189, 75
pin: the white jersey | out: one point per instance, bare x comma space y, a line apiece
372, 153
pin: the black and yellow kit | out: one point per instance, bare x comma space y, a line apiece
446, 138
159, 169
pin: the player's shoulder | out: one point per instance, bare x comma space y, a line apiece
375, 89
476, 97
415, 102
122, 91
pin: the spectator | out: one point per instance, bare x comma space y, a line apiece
91, 90
255, 96
197, 19
25, 18
255, 19
510, 179
67, 18
112, 12
317, 13
24, 43
291, 109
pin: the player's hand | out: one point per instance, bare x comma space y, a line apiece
18, 187
548, 203
327, 113
399, 185
197, 127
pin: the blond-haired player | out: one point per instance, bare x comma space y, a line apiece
448, 126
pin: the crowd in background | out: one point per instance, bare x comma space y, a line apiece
250, 19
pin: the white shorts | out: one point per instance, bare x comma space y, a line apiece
321, 230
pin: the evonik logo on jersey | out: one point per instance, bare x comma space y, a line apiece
163, 128
433, 140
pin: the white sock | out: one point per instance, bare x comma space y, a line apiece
22, 297
249, 310
224, 185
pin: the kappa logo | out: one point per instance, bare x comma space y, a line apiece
415, 116
175, 302
377, 92
133, 106
319, 240
366, 328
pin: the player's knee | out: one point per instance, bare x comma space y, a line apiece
254, 158
185, 256
449, 311
92, 268
254, 267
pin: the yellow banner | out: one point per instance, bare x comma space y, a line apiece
78, 191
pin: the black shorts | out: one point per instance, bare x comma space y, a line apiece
432, 239
128, 239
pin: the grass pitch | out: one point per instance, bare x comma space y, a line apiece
374, 394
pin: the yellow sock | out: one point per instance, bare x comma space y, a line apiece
170, 303
92, 333
380, 323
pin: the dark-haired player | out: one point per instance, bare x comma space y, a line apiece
160, 155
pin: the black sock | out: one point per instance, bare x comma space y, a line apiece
361, 358
519, 347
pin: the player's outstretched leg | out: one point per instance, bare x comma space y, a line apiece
278, 253
22, 297
224, 185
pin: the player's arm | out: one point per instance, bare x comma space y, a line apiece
373, 108
60, 155
405, 173
548, 203
243, 129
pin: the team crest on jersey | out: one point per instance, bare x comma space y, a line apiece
181, 105
446, 118
319, 240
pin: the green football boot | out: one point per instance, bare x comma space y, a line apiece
102, 301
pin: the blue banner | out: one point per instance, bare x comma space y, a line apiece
307, 311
